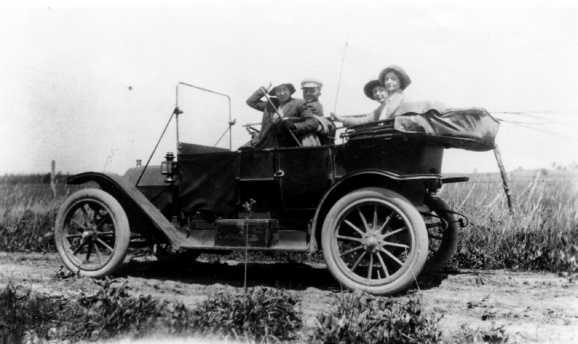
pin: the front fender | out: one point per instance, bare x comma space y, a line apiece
408, 186
144, 217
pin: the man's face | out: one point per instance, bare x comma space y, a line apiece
283, 93
311, 94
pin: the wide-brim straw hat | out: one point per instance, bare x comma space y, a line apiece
289, 86
368, 88
404, 79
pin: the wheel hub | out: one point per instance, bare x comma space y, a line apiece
372, 241
89, 235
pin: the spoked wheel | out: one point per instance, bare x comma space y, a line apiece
167, 253
92, 233
375, 240
442, 229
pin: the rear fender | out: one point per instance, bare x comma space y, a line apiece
144, 218
410, 186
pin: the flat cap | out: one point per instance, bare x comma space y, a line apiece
311, 82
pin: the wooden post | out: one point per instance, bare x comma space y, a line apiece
504, 177
53, 178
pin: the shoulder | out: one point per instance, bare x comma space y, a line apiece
299, 102
317, 108
405, 99
402, 97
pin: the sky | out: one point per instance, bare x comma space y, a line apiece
92, 85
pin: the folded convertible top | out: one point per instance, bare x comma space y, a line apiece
471, 129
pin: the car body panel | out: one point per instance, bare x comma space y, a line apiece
144, 216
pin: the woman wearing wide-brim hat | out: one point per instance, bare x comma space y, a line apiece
374, 90
392, 80
395, 80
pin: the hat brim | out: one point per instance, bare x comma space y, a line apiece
404, 79
368, 88
289, 86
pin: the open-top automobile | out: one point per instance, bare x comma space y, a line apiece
369, 203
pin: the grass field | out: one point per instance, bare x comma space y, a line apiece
540, 234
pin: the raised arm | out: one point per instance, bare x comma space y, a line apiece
255, 101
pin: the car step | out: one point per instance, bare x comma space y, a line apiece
236, 234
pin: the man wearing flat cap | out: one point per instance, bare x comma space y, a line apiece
311, 91
281, 106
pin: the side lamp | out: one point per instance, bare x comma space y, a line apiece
168, 168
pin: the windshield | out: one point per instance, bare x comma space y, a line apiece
205, 118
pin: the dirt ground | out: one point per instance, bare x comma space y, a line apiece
534, 307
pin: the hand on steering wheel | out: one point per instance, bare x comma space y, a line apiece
289, 125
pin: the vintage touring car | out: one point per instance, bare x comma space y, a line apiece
369, 203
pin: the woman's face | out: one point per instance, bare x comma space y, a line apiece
379, 93
391, 82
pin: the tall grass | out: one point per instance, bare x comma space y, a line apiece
27, 215
540, 234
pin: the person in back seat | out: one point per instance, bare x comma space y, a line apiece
311, 92
373, 90
388, 91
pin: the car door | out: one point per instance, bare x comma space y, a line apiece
257, 183
304, 174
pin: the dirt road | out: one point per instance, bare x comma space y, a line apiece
534, 307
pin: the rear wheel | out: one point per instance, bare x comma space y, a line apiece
442, 229
375, 240
92, 233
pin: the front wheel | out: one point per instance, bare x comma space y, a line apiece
92, 233
374, 240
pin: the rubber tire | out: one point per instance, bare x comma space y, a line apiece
412, 218
450, 240
121, 225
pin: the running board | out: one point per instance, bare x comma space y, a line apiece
241, 234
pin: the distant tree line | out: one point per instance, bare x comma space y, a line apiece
38, 178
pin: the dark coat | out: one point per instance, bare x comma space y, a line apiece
294, 108
317, 108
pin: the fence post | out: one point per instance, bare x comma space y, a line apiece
504, 178
53, 178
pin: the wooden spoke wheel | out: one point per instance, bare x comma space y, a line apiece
92, 233
375, 240
442, 228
